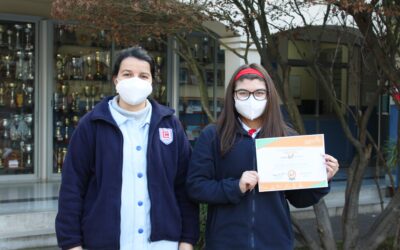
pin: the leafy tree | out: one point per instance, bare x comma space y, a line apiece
131, 23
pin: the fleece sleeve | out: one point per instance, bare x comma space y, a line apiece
189, 209
306, 197
202, 184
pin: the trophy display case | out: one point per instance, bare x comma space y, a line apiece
17, 87
82, 78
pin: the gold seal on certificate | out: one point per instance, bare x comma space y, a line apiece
292, 162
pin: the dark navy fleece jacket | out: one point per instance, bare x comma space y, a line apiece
252, 220
90, 194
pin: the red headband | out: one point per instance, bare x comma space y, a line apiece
248, 71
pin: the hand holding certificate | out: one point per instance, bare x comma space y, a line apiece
293, 162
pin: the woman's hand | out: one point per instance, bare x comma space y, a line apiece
185, 246
248, 181
332, 166
76, 248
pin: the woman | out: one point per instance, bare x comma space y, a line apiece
223, 170
123, 179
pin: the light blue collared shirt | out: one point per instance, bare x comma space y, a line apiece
135, 200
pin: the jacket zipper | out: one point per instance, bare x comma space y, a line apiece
253, 203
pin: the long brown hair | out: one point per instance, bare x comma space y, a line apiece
228, 125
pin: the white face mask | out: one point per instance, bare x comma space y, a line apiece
250, 108
134, 90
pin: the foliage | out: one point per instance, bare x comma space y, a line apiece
130, 21
391, 152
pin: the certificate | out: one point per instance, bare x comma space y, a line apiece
292, 162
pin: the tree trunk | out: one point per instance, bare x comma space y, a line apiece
304, 237
350, 210
382, 225
324, 226
203, 89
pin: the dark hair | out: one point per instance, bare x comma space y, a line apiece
136, 52
228, 125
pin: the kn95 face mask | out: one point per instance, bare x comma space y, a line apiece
250, 108
134, 90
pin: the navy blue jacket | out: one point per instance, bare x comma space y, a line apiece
252, 220
90, 194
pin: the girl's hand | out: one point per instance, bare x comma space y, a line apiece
185, 246
332, 166
248, 181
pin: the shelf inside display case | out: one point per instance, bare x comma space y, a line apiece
17, 77
82, 78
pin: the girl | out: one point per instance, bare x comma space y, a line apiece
223, 170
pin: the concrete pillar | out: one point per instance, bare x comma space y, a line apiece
232, 61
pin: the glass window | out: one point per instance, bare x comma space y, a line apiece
17, 78
201, 84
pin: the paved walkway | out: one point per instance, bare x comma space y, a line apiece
365, 222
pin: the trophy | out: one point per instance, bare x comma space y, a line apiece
29, 98
59, 159
93, 92
5, 123
64, 153
60, 34
28, 119
14, 133
1, 35
76, 68
23, 128
89, 62
102, 38
20, 65
9, 39
58, 135
30, 65
28, 148
7, 60
196, 51
56, 101
98, 75
66, 129
75, 101
28, 32
205, 49
64, 97
75, 120
2, 92
159, 61
19, 96
12, 87
87, 92
18, 46
60, 66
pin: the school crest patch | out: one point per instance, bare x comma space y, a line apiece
166, 135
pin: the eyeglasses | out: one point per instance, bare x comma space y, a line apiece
258, 94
